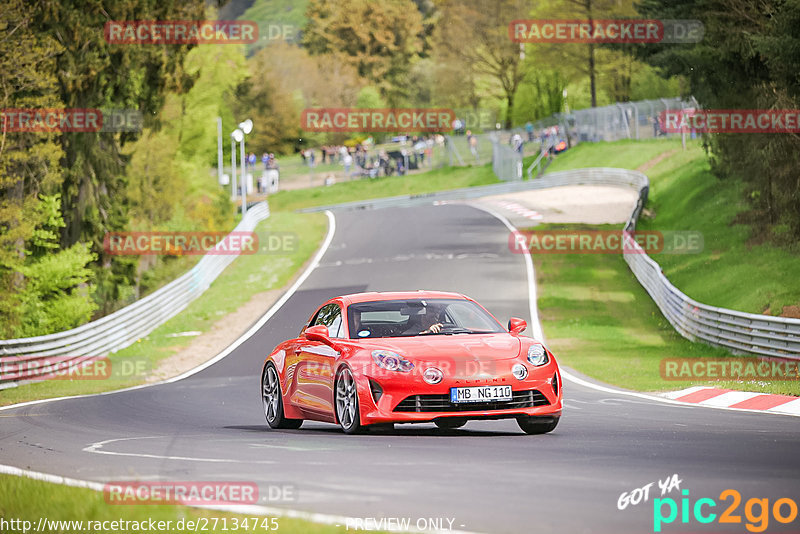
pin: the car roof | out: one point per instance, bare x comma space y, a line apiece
373, 296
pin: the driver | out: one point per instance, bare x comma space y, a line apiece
434, 328
426, 323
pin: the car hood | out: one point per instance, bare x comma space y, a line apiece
454, 348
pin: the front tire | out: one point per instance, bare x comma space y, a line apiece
272, 400
347, 412
537, 425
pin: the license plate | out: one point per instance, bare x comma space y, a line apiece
480, 394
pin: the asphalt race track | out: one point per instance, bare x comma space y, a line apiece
488, 476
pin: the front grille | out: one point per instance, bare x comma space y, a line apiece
441, 403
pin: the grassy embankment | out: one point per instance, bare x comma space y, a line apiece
414, 184
597, 317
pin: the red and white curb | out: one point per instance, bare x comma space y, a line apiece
742, 400
519, 209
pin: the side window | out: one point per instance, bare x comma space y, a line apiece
331, 316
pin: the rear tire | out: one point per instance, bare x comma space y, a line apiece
272, 400
346, 400
537, 425
450, 423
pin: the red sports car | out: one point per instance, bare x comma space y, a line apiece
374, 359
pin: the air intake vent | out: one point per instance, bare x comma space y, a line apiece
441, 403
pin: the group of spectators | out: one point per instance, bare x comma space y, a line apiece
362, 161
267, 160
269, 163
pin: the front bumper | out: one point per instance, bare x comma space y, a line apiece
399, 398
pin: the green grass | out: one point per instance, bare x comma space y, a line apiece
730, 272
29, 500
246, 276
624, 154
599, 320
597, 317
426, 182
685, 196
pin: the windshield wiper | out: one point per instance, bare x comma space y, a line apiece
455, 330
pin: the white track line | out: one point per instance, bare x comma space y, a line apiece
233, 346
792, 410
263, 510
97, 448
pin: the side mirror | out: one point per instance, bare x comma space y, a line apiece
318, 333
516, 325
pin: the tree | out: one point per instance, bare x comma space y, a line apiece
749, 58
541, 95
382, 40
283, 79
57, 294
589, 60
29, 171
96, 74
476, 40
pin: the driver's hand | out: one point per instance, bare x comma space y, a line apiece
434, 329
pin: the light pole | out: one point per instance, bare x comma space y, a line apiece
236, 137
233, 163
245, 127
219, 150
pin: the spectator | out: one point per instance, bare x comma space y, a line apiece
251, 160
429, 150
265, 160
472, 141
529, 129
347, 161
516, 142
419, 147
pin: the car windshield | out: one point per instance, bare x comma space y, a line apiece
418, 317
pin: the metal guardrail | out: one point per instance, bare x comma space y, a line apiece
537, 163
123, 327
738, 331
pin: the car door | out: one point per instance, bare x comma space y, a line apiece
314, 371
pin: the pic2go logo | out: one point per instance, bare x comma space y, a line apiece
756, 511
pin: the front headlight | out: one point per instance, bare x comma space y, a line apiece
391, 361
537, 355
